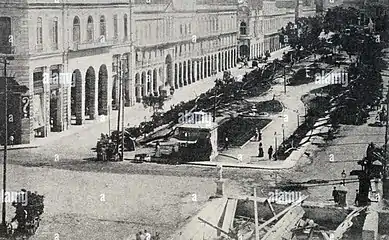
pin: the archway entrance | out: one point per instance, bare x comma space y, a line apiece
103, 91
76, 99
90, 94
169, 70
244, 51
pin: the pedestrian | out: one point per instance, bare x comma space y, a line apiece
270, 152
147, 235
157, 149
256, 134
142, 236
259, 135
226, 143
137, 236
356, 202
335, 195
260, 150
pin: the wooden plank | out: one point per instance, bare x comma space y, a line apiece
282, 229
229, 214
195, 229
214, 226
325, 235
256, 215
282, 212
270, 206
347, 223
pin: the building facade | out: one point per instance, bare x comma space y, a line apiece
72, 55
260, 22
182, 42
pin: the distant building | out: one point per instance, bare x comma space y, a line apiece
260, 22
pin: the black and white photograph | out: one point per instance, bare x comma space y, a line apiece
194, 119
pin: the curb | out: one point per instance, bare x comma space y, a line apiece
20, 147
250, 166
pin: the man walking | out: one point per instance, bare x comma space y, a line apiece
270, 152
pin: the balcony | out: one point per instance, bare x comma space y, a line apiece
90, 45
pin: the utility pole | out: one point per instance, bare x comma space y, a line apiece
119, 80
284, 79
4, 224
386, 138
122, 101
256, 214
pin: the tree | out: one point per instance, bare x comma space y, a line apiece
156, 102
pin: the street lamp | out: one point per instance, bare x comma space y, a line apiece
275, 145
5, 61
120, 76
344, 176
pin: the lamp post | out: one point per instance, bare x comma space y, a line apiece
5, 61
344, 177
120, 73
275, 145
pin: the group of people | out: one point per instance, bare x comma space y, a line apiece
145, 235
335, 195
258, 138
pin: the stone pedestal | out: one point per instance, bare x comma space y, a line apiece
220, 187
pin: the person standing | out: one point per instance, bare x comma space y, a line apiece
226, 143
260, 150
142, 236
356, 201
270, 152
335, 195
259, 135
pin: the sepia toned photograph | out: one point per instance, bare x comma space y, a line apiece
194, 119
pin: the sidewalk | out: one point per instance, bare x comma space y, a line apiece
286, 121
85, 136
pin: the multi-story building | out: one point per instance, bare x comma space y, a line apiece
260, 22
182, 42
71, 54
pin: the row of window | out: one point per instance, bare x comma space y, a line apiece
90, 31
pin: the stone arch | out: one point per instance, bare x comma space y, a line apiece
103, 90
155, 82
185, 72
225, 60
169, 70
76, 103
138, 88
219, 69
205, 70
180, 83
209, 66
90, 94
176, 75
244, 51
143, 84
149, 79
